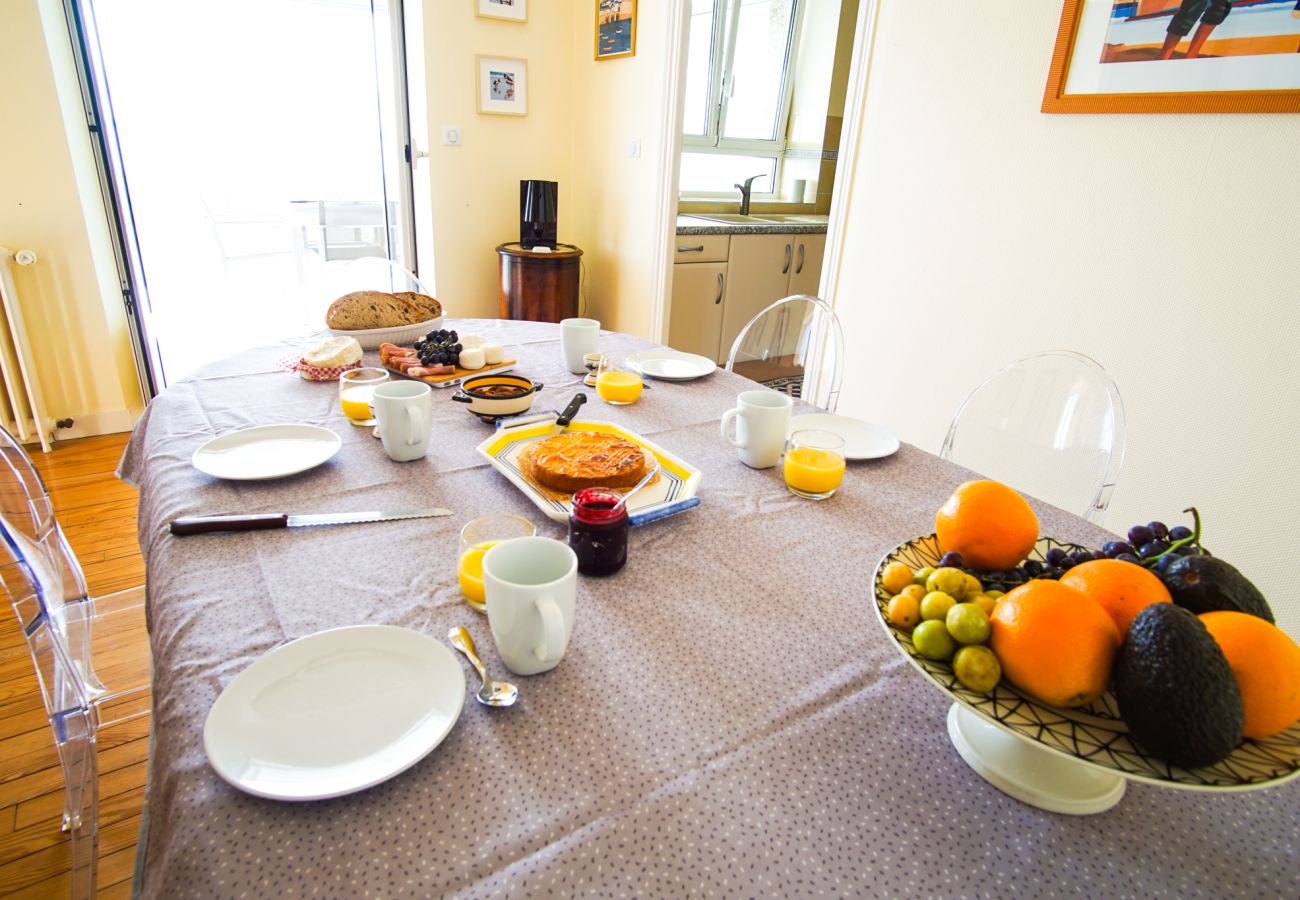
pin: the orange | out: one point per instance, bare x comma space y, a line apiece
1122, 589
989, 524
1266, 662
1054, 642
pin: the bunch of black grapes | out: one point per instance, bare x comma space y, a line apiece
439, 348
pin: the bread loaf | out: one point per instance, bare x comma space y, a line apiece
376, 309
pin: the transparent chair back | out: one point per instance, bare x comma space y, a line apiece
795, 346
63, 626
1050, 425
374, 273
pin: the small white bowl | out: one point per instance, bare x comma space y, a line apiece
371, 338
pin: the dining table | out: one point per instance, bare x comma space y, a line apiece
730, 718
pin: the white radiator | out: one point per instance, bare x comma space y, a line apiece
21, 409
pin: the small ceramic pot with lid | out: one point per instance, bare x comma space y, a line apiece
492, 396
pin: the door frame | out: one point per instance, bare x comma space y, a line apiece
673, 101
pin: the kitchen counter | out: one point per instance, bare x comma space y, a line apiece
805, 224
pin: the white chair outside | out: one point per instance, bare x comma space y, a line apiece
1050, 425
66, 632
376, 273
796, 346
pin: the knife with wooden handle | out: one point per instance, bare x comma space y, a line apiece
210, 524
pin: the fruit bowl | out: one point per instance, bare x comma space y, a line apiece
1094, 736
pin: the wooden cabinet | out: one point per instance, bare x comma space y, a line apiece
695, 320
753, 271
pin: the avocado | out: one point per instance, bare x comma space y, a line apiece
1175, 690
1206, 583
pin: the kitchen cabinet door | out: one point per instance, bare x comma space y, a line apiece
806, 273
695, 319
759, 267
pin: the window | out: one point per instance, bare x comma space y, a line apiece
737, 93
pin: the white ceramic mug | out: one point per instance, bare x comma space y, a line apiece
529, 584
762, 423
578, 337
403, 410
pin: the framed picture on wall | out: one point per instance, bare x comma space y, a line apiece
615, 28
1117, 56
502, 86
510, 10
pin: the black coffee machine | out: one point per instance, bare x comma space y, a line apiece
539, 210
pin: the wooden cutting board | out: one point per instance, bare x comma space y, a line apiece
459, 374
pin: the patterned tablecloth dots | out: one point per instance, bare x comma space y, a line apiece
729, 720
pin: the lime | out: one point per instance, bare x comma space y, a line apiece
932, 640
976, 667
968, 624
984, 601
973, 586
949, 580
921, 575
935, 605
896, 576
903, 611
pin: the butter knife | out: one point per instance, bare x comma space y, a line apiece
209, 524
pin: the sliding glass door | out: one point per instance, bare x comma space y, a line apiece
253, 149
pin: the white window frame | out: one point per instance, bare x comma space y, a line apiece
721, 85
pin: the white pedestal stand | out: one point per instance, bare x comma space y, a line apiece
1031, 774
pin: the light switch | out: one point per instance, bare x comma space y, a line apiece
634, 148
451, 136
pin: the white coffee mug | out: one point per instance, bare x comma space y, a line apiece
529, 584
578, 337
762, 424
403, 410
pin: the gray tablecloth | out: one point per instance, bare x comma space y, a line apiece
730, 718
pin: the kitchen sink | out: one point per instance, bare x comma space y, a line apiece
795, 219
762, 219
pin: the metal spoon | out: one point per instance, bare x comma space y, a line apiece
492, 693
645, 479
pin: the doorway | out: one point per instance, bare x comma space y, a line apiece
253, 150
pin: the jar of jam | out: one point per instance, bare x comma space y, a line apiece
598, 531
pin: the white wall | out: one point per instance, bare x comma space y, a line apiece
1164, 246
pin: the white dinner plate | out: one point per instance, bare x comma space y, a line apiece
334, 712
862, 440
266, 451
671, 365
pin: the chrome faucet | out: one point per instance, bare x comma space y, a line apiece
745, 190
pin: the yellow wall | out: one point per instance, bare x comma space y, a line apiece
50, 203
981, 230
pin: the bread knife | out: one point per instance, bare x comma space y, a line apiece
208, 524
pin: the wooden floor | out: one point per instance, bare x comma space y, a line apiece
97, 512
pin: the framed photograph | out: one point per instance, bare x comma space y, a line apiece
510, 10
502, 86
615, 28
1118, 56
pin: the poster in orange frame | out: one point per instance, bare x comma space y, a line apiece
1121, 56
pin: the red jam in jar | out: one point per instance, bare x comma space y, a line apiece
598, 531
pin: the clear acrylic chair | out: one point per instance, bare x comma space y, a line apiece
67, 631
1050, 425
795, 346
375, 273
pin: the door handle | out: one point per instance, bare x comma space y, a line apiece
719, 300
799, 267
785, 270
681, 249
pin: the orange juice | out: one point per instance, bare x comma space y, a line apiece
618, 387
356, 402
812, 471
470, 574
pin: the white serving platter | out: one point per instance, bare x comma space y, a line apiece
674, 491
266, 451
671, 365
371, 338
334, 712
862, 440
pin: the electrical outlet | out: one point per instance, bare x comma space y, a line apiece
634, 148
451, 136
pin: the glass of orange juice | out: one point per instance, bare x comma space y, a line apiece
616, 383
478, 537
814, 463
356, 389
